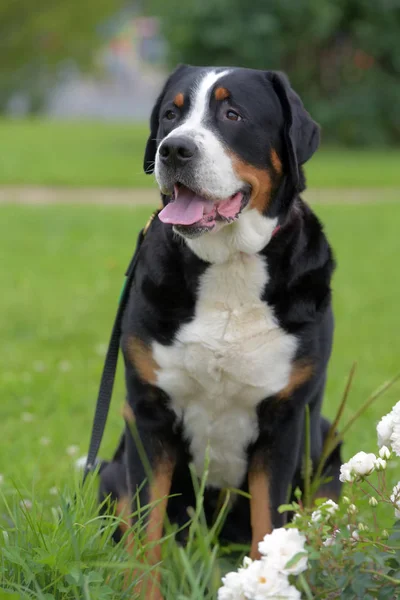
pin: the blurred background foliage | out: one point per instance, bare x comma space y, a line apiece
39, 40
342, 56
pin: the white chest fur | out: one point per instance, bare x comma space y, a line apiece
222, 364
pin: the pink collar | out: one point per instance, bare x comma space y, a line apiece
275, 231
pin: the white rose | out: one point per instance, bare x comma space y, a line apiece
362, 463
384, 430
346, 473
262, 581
395, 497
395, 413
232, 588
281, 546
395, 439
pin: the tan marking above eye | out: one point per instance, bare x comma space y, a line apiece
276, 161
179, 100
221, 93
142, 359
259, 179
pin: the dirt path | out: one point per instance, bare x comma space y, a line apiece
125, 196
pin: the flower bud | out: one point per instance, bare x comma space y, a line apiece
373, 501
329, 541
380, 464
384, 453
352, 510
346, 500
385, 534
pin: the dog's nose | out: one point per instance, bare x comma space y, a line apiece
177, 151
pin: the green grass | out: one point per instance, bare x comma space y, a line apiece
61, 270
38, 152
73, 153
67, 553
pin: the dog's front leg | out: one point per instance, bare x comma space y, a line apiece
260, 505
273, 463
151, 463
159, 489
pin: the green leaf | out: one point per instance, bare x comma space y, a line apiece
297, 493
74, 576
304, 584
392, 563
295, 559
285, 507
358, 558
94, 577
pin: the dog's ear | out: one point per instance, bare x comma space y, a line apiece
301, 133
151, 146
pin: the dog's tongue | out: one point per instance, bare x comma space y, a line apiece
186, 209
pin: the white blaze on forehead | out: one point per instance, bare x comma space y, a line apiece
200, 97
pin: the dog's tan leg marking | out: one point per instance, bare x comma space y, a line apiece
260, 508
123, 510
142, 359
149, 586
301, 372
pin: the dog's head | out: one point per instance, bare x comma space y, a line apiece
226, 146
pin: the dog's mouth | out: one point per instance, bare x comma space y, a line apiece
189, 210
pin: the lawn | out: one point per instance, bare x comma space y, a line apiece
62, 268
38, 152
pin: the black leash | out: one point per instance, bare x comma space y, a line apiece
110, 364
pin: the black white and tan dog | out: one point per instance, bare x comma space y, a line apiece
228, 328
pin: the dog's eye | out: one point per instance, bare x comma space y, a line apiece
170, 115
233, 115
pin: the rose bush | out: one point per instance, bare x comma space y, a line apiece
336, 550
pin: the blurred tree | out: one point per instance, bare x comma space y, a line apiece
36, 37
342, 57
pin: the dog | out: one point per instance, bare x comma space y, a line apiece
228, 328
